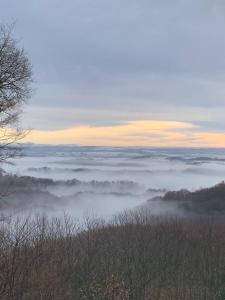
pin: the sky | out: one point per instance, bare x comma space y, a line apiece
123, 73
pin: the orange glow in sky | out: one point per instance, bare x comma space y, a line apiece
135, 133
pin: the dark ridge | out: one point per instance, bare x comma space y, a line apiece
195, 160
207, 200
47, 169
151, 190
42, 169
34, 182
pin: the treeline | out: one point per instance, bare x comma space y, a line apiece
135, 256
207, 201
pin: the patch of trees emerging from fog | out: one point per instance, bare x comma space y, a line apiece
209, 201
21, 192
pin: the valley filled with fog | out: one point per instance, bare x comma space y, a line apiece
103, 181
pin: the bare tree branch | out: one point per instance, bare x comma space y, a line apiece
15, 81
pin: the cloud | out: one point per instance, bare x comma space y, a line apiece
149, 133
136, 133
108, 62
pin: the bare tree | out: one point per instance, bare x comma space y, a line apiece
15, 80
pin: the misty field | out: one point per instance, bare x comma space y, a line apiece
135, 256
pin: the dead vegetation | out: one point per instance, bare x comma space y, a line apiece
134, 257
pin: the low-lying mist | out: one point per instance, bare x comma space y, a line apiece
105, 181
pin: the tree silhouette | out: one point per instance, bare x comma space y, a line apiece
15, 80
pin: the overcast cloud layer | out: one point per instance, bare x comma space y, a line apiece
107, 62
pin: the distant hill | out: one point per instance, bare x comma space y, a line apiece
204, 201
